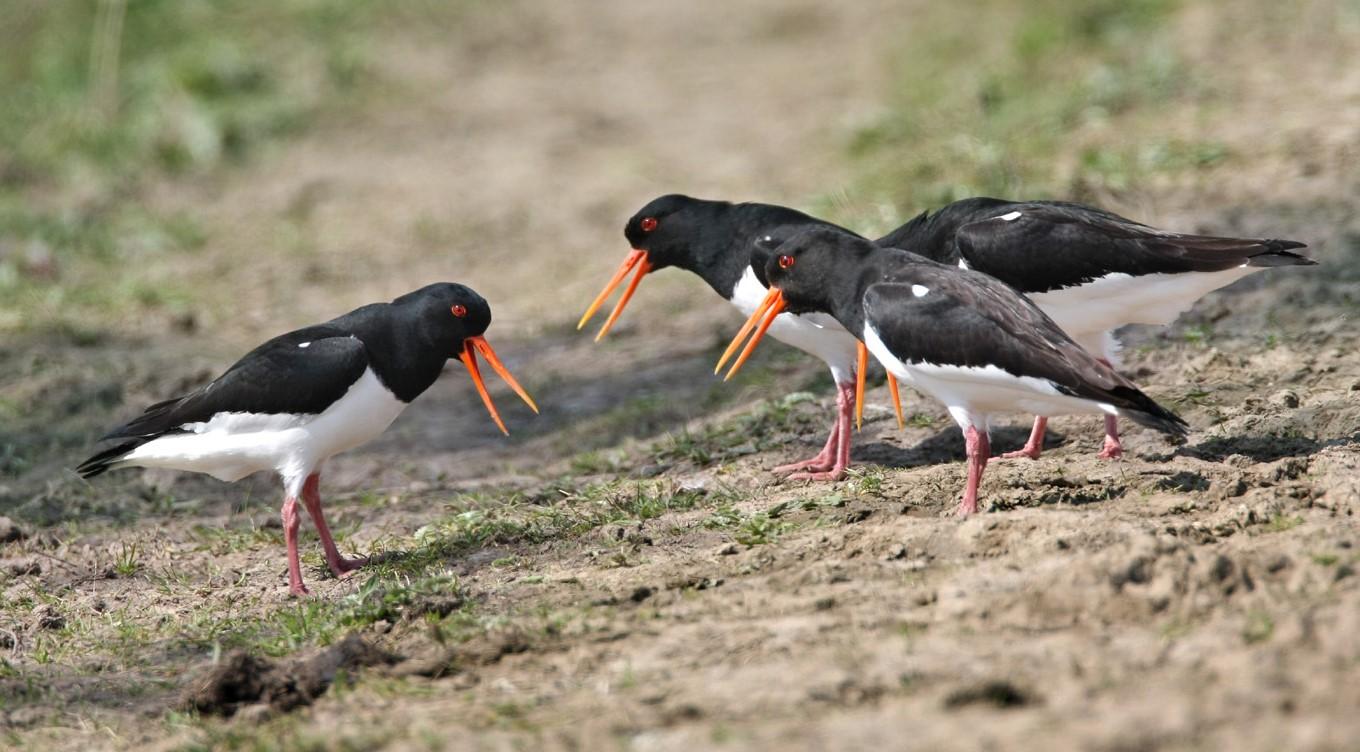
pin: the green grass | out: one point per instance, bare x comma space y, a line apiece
104, 97
1037, 103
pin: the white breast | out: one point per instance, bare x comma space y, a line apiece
972, 393
231, 446
818, 334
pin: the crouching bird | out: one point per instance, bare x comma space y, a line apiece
304, 396
962, 337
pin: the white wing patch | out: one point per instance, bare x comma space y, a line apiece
304, 345
963, 265
919, 290
1009, 217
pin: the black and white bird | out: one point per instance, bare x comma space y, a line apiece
963, 337
716, 240
1090, 270
304, 396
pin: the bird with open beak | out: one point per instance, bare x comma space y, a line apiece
717, 240
307, 395
963, 337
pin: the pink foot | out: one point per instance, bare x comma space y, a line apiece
342, 567
1028, 452
1113, 450
339, 565
834, 458
822, 461
1035, 445
833, 474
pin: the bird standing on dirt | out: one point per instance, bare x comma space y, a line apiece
960, 336
715, 239
304, 396
1090, 270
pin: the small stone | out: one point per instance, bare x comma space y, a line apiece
898, 551
857, 515
1277, 564
824, 604
48, 618
10, 532
1344, 571
1285, 398
696, 486
641, 593
20, 567
1222, 568
727, 550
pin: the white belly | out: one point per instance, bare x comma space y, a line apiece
1089, 310
972, 394
815, 333
231, 446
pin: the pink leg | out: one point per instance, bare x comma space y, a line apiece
979, 450
311, 496
845, 409
1113, 449
291, 521
1035, 445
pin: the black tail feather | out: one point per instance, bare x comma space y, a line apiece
1278, 254
1145, 411
105, 459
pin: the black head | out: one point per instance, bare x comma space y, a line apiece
667, 228
444, 315
813, 266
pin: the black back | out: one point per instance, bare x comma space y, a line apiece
1049, 245
303, 372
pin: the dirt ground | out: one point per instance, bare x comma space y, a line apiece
624, 571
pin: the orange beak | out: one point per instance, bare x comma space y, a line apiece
765, 314
474, 345
635, 258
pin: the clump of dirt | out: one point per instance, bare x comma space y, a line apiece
242, 679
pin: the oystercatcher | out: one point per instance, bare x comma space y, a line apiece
306, 395
1090, 270
716, 240
961, 336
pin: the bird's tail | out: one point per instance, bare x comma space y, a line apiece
106, 459
1143, 410
1279, 253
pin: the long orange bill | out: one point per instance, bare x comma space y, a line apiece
635, 258
861, 365
897, 401
474, 345
746, 328
769, 308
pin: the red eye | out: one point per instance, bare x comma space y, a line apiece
785, 262
460, 310
647, 224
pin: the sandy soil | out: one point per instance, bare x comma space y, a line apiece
1201, 596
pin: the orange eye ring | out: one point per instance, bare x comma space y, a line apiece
785, 262
647, 224
459, 310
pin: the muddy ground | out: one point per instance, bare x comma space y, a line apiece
624, 571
